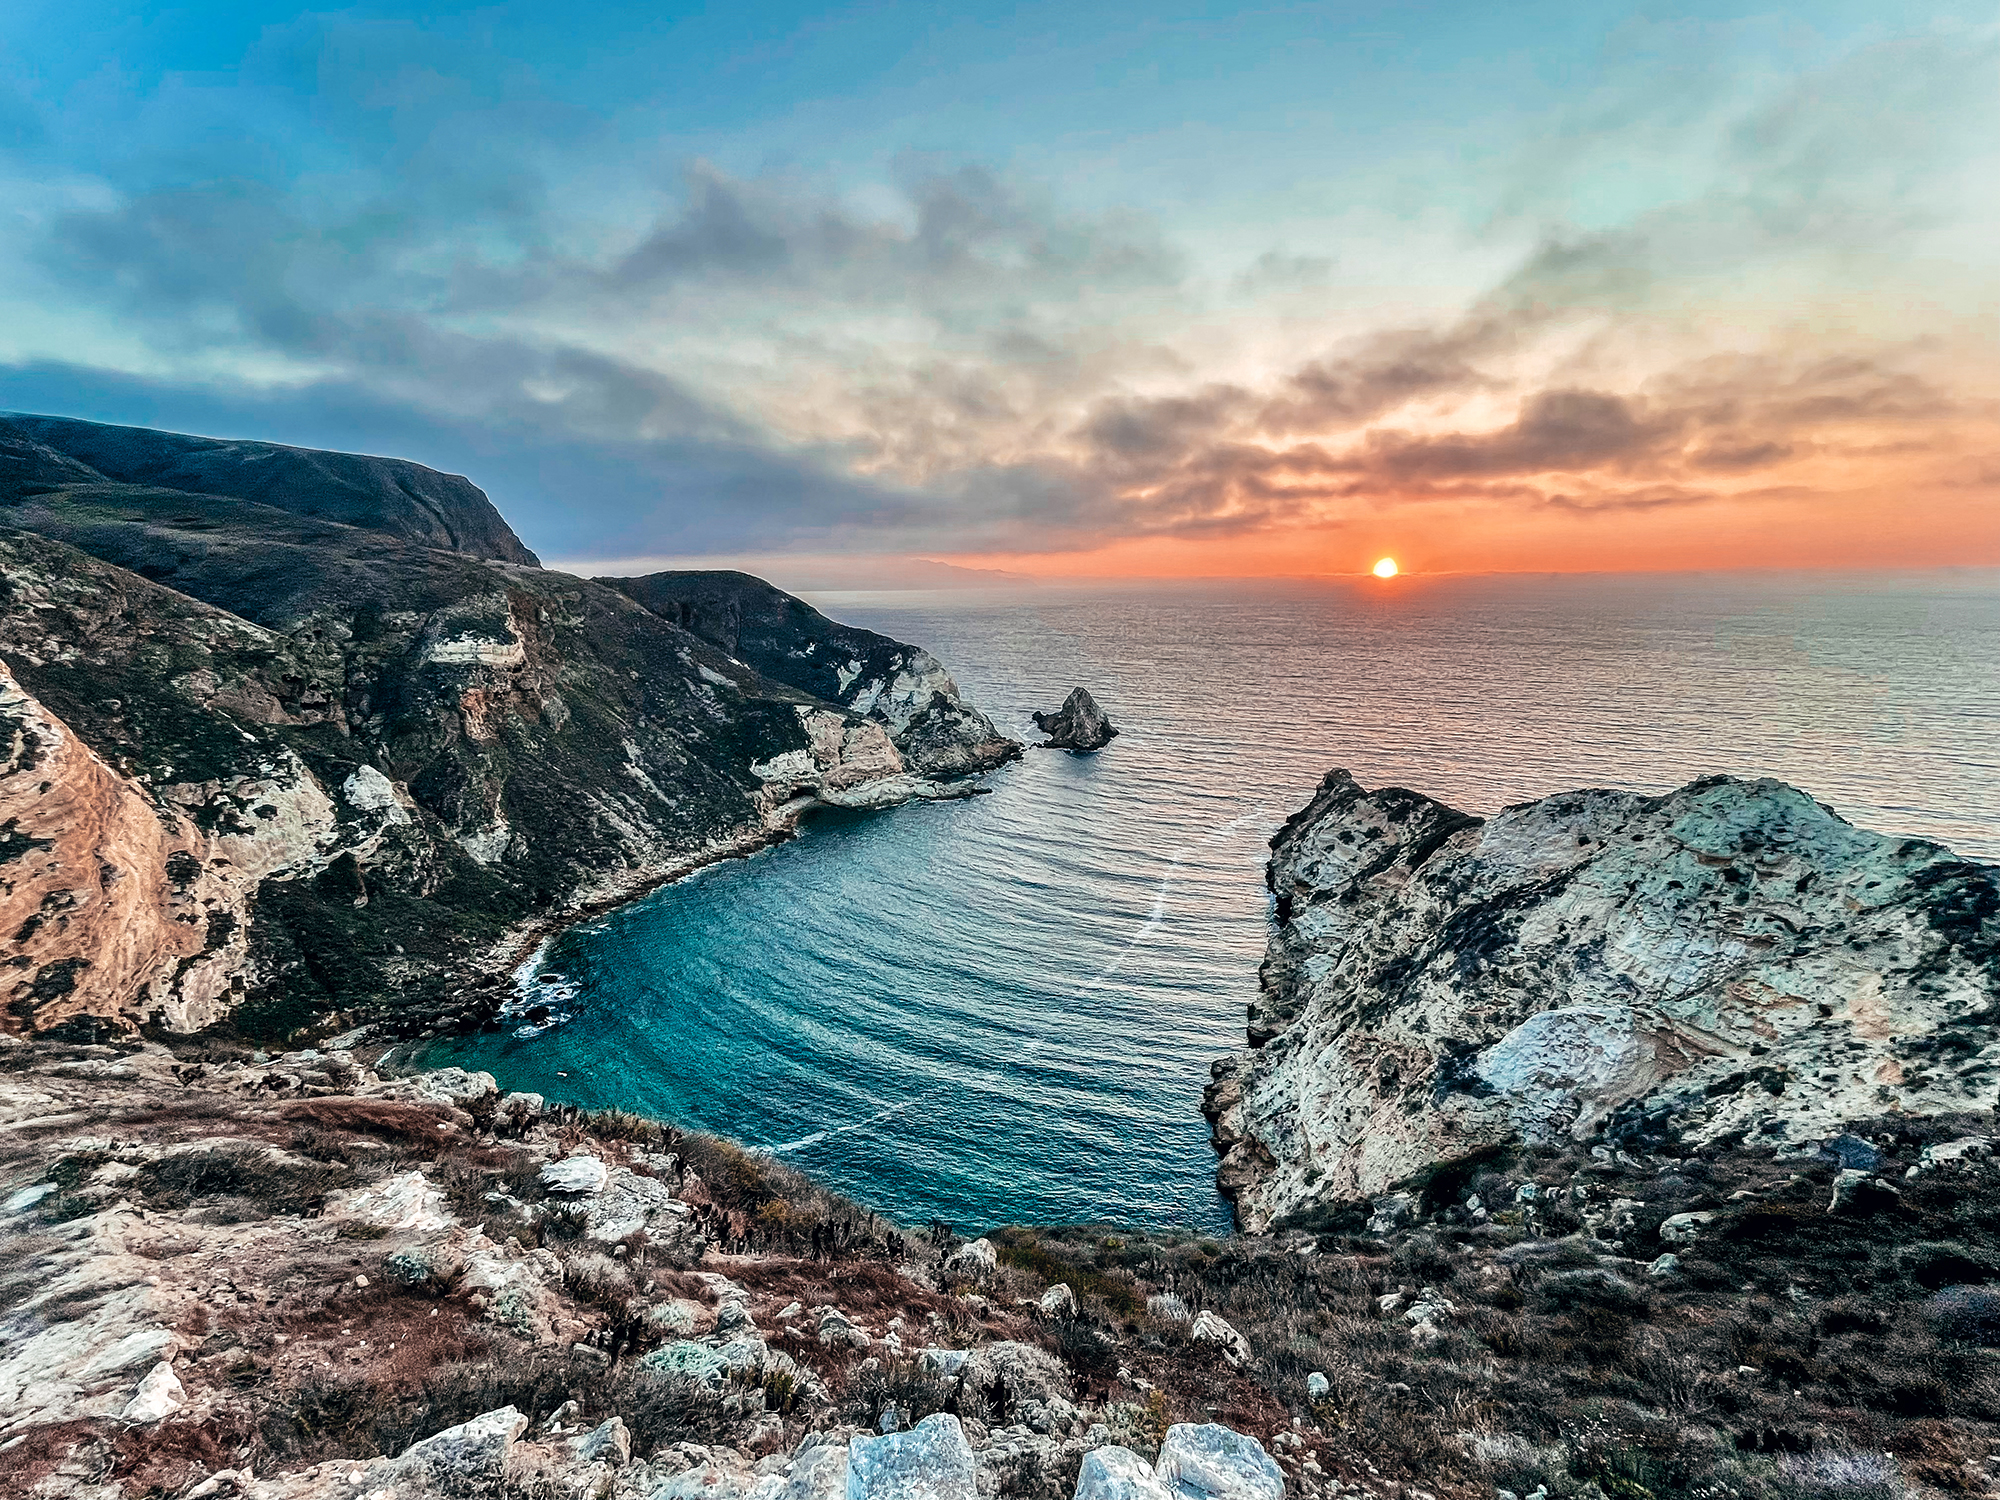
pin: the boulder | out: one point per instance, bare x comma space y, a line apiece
932, 1461
159, 1395
817, 1474
1664, 1265
629, 1203
469, 1459
1079, 726
1318, 1387
1391, 1212
943, 1361
582, 1173
977, 1259
1684, 1229
1116, 1473
1209, 1329
1730, 957
454, 1087
1208, 1461
517, 1112
1015, 1377
1059, 1301
1857, 1194
608, 1443
837, 1330
1852, 1151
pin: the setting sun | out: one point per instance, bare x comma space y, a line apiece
1386, 568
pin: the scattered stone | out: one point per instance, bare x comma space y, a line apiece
1317, 1386
1665, 1265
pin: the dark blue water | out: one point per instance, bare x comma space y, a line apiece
1004, 1009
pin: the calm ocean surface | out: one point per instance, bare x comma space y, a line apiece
1003, 1009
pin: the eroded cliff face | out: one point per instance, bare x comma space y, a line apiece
903, 688
334, 769
1729, 959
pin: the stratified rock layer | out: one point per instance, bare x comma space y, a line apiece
1731, 957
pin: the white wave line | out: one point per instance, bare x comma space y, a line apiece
1259, 816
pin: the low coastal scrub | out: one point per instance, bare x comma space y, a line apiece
355, 1269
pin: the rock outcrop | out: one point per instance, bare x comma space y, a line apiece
1078, 726
1729, 960
903, 688
322, 742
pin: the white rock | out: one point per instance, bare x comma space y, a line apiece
405, 1201
453, 1086
1116, 1473
1208, 1461
1317, 1386
1967, 1148
470, 1458
977, 1259
27, 1198
582, 1173
817, 1474
1665, 1265
159, 1395
1059, 1301
1683, 1229
1210, 1329
932, 1461
631, 1202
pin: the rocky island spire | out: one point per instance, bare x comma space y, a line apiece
1079, 726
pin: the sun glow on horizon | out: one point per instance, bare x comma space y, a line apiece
1385, 568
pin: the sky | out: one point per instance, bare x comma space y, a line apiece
1062, 289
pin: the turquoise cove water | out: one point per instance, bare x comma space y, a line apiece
1003, 1009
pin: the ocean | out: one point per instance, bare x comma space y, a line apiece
1002, 1010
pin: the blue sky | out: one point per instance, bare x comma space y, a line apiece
1066, 282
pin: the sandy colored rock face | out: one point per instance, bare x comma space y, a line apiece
1732, 956
112, 902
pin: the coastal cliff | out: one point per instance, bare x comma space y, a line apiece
322, 738
904, 688
1729, 961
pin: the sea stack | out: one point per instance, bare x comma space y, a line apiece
1079, 726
